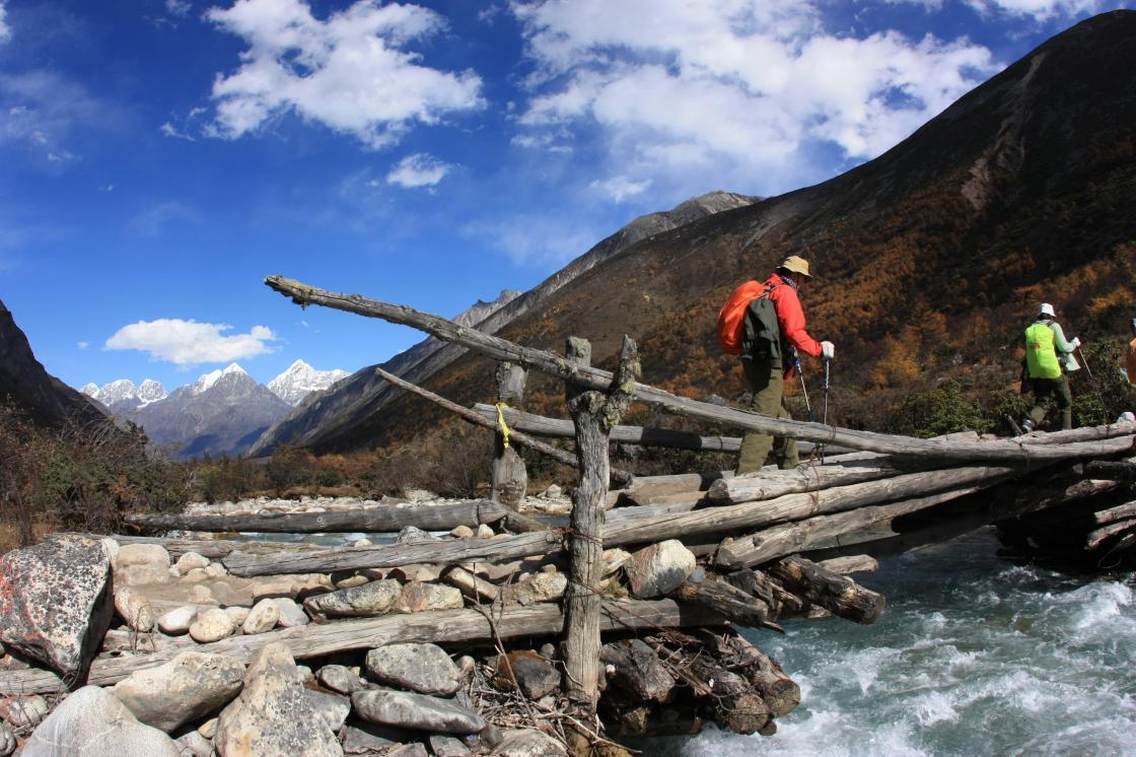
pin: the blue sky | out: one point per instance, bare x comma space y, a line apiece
159, 157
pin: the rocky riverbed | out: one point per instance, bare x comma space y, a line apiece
181, 657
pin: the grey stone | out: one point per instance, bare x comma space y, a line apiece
447, 746
24, 711
659, 569
425, 668
216, 570
373, 598
188, 687
177, 621
92, 723
484, 531
415, 711
238, 615
461, 532
272, 716
368, 738
350, 582
332, 708
291, 614
535, 675
412, 534
189, 561
417, 572
208, 729
534, 588
340, 678
134, 608
193, 744
212, 625
7, 740
529, 742
415, 749
420, 597
262, 617
55, 603
137, 564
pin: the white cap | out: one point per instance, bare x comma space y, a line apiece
1047, 309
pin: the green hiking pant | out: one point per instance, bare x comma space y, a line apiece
1058, 389
768, 386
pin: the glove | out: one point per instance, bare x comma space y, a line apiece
827, 350
1076, 342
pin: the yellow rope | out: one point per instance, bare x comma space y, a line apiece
501, 425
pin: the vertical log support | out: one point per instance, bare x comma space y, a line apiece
594, 414
509, 476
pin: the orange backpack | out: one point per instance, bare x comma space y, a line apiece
732, 315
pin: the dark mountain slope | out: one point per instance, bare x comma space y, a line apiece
46, 399
929, 259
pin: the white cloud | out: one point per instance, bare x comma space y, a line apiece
534, 239
151, 221
418, 170
5, 30
730, 88
182, 342
349, 72
84, 345
179, 8
1040, 10
169, 130
45, 111
619, 188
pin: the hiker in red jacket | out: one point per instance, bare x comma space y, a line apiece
768, 360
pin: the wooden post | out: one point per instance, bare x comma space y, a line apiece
510, 479
594, 413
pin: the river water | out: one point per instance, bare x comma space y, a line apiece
974, 655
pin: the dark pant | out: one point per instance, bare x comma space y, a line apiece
1058, 389
768, 386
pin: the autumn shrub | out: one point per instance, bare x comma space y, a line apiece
944, 409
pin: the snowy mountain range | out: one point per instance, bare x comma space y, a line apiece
221, 413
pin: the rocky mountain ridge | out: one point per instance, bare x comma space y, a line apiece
300, 380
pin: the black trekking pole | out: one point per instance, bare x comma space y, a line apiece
824, 416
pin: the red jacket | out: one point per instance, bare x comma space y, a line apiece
791, 316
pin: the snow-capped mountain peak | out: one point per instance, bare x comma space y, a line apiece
300, 380
150, 391
207, 380
122, 394
91, 390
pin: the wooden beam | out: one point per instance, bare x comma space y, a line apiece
380, 518
594, 378
439, 627
838, 594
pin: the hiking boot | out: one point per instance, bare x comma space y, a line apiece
1028, 425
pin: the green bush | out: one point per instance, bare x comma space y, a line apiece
942, 410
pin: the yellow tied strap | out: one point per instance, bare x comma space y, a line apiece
501, 425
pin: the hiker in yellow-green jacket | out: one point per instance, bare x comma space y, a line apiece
1048, 358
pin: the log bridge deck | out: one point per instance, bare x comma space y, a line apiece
770, 546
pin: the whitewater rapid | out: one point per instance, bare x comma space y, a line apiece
974, 656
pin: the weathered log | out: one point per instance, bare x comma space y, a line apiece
752, 487
781, 602
824, 531
594, 413
838, 594
509, 478
633, 665
211, 548
594, 378
560, 428
850, 564
733, 703
465, 413
1112, 514
429, 517
707, 590
441, 627
780, 693
630, 529
1108, 470
1084, 434
1094, 539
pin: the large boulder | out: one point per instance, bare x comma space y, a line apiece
373, 598
55, 603
188, 687
141, 564
425, 668
404, 709
273, 716
91, 722
332, 708
420, 597
659, 569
